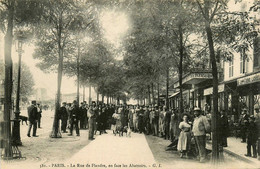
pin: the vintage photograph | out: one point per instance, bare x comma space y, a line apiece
118, 84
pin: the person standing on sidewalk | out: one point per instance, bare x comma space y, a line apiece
64, 117
224, 128
200, 128
39, 110
74, 117
244, 121
185, 137
251, 137
33, 117
91, 122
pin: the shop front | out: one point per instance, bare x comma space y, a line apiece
249, 92
194, 84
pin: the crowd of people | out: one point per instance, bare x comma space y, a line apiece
187, 132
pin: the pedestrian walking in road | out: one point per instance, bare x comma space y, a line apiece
251, 137
91, 121
135, 119
223, 128
33, 117
83, 114
167, 120
147, 120
64, 117
130, 118
243, 122
74, 118
200, 128
141, 120
185, 137
69, 108
174, 126
39, 110
161, 121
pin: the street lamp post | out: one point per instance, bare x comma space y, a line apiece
16, 138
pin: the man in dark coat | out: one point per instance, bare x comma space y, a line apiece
147, 120
64, 117
223, 128
33, 117
244, 121
251, 137
74, 118
167, 121
39, 109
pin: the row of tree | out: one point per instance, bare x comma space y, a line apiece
167, 38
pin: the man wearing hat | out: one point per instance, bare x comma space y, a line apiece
33, 116
200, 128
251, 137
74, 118
64, 117
244, 121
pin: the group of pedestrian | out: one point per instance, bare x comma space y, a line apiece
34, 118
93, 117
250, 131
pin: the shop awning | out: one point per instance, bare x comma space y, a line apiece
195, 77
174, 94
248, 79
209, 91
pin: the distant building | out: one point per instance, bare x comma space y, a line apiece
40, 94
69, 98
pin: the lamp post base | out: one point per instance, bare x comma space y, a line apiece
16, 138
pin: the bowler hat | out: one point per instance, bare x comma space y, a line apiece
196, 109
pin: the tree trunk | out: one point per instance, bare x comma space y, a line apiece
84, 93
167, 88
153, 102
78, 74
89, 95
149, 95
55, 129
180, 70
158, 90
103, 97
214, 120
8, 83
97, 96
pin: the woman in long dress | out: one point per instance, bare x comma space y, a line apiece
185, 136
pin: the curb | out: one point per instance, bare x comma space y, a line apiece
237, 156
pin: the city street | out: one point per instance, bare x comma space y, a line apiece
107, 150
182, 76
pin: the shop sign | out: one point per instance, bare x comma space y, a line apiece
248, 79
201, 75
197, 75
209, 91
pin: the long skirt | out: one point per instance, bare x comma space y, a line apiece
184, 141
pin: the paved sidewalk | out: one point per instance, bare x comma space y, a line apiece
238, 149
119, 152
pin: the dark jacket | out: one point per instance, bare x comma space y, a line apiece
223, 126
63, 113
252, 132
75, 114
32, 113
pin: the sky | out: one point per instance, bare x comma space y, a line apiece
115, 25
